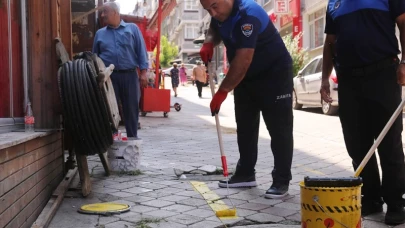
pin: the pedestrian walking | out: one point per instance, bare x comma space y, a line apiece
183, 74
200, 77
260, 74
174, 74
122, 44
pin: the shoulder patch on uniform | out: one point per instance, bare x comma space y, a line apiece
247, 29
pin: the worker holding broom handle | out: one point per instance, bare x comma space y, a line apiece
260, 74
121, 44
362, 46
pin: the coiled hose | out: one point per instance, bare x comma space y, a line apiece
84, 109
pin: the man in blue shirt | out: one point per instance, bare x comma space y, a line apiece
362, 35
122, 44
260, 74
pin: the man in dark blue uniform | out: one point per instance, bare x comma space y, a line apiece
260, 74
362, 45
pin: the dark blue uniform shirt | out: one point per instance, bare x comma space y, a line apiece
364, 29
249, 26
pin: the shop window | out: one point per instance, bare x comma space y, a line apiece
316, 28
191, 31
190, 5
11, 83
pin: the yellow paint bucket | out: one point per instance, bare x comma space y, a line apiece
330, 207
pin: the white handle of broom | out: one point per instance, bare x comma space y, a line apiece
380, 138
221, 147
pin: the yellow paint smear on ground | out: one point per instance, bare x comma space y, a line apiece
213, 200
310, 170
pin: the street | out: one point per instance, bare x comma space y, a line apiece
188, 138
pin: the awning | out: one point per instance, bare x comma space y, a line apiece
199, 40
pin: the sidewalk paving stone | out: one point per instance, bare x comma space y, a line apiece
291, 206
175, 198
253, 206
205, 224
188, 193
271, 226
104, 190
279, 211
244, 212
192, 202
121, 194
185, 219
200, 213
157, 203
265, 218
235, 202
178, 208
269, 202
189, 139
152, 186
160, 213
136, 190
166, 225
130, 214
138, 199
142, 209
122, 186
119, 224
107, 219
243, 196
294, 217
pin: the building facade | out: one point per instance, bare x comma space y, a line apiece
181, 26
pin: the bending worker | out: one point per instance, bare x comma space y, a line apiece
260, 74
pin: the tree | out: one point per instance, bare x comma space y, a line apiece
299, 56
168, 51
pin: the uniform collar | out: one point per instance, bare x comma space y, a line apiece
235, 9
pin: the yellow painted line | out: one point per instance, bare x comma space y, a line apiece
213, 200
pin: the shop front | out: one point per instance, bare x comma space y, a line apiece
31, 163
291, 23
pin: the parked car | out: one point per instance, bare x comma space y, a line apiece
307, 85
189, 70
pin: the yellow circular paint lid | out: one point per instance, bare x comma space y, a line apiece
105, 208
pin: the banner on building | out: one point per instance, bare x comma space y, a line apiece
281, 6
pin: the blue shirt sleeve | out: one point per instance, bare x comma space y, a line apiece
330, 27
397, 7
246, 32
96, 48
140, 48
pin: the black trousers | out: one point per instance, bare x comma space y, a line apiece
199, 87
271, 94
127, 91
366, 103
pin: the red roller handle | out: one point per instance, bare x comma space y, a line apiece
224, 166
